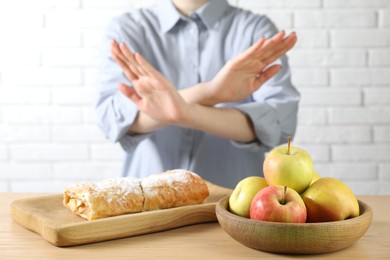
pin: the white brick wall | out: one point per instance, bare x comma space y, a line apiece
48, 61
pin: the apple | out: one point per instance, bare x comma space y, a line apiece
316, 176
278, 204
241, 198
289, 166
329, 199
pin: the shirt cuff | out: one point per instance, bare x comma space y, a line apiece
125, 117
266, 126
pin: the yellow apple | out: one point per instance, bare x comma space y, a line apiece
244, 192
289, 166
316, 176
329, 199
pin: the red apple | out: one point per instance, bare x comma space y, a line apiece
278, 203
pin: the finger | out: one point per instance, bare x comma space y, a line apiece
291, 38
125, 68
130, 93
130, 57
254, 48
279, 50
263, 44
130, 74
267, 74
121, 61
262, 47
271, 45
289, 44
274, 40
146, 66
282, 49
115, 51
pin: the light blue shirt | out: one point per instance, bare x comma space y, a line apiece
189, 50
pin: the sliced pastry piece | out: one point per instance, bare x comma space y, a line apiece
173, 188
107, 198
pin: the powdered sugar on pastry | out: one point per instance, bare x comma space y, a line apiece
169, 178
117, 186
117, 196
173, 189
110, 188
106, 198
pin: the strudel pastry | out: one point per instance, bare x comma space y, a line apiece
118, 196
107, 198
173, 189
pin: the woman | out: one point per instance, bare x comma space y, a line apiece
206, 92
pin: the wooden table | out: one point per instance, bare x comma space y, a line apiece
203, 241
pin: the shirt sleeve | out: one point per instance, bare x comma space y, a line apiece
274, 107
115, 112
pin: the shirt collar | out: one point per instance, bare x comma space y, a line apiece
167, 15
212, 11
209, 13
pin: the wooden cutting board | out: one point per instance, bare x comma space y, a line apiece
48, 217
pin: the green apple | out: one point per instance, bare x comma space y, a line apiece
244, 192
289, 166
329, 199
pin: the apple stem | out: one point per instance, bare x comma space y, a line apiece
284, 194
289, 144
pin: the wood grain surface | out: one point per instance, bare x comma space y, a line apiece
47, 216
201, 241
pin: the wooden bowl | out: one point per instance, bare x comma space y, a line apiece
294, 238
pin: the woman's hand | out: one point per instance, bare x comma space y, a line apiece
153, 94
244, 74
